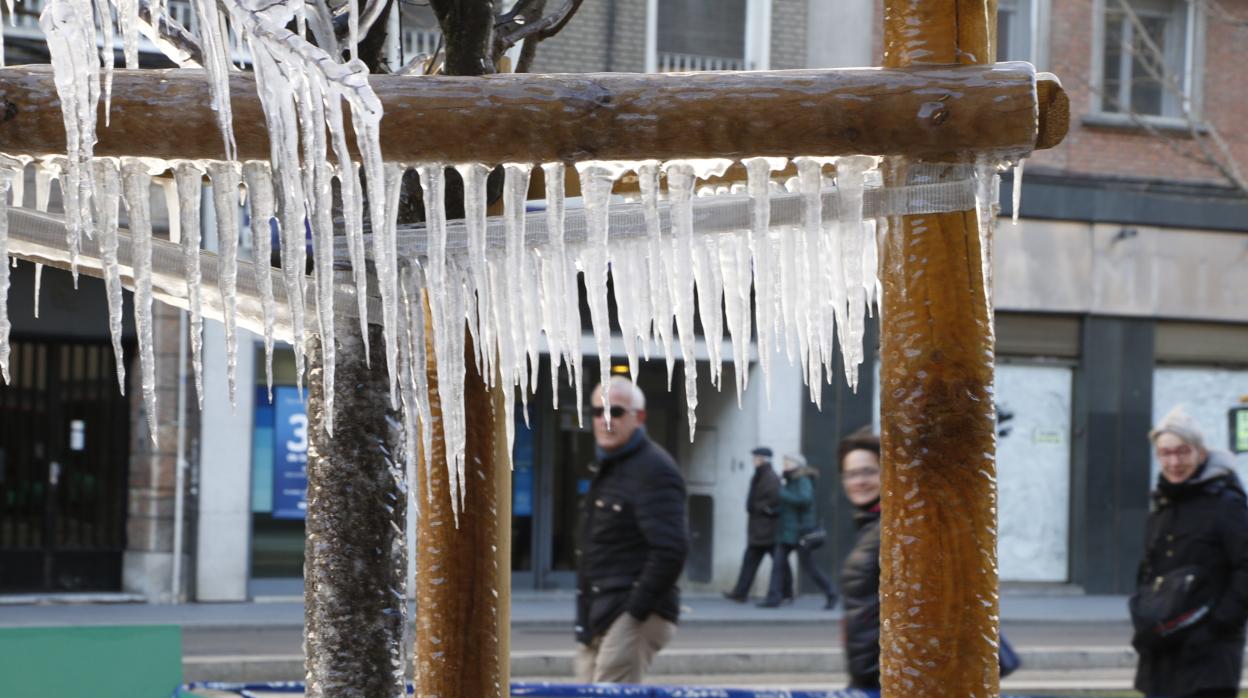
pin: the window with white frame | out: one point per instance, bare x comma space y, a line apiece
708, 35
1146, 57
1014, 30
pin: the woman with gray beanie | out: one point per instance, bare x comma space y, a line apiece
1191, 599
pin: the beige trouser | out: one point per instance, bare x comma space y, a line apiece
625, 651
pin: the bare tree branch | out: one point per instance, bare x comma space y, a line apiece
537, 30
173, 39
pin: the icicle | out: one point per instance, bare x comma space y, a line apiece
260, 199
38, 282
353, 28
680, 181
759, 177
850, 180
524, 307
190, 180
104, 20
70, 30
871, 263
483, 319
419, 362
107, 200
128, 23
734, 263
816, 267
352, 212
709, 286
19, 182
986, 191
1017, 193
658, 261
137, 184
225, 179
217, 66
390, 271
5, 326
447, 331
555, 290
597, 179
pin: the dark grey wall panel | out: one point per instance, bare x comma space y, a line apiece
1110, 462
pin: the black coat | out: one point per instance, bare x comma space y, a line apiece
860, 589
763, 506
1203, 521
632, 539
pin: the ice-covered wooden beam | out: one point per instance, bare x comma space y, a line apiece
931, 112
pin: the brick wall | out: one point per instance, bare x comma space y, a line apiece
603, 36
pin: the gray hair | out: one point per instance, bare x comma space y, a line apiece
636, 398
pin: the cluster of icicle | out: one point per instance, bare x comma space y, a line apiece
813, 283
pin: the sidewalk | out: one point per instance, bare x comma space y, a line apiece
1082, 638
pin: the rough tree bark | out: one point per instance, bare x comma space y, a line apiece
938, 584
354, 558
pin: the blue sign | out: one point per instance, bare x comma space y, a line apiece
290, 454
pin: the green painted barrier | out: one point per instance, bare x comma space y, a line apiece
128, 661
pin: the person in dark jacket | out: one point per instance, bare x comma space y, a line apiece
797, 517
859, 459
631, 544
762, 508
1198, 528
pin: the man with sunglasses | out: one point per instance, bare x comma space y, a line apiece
631, 543
1191, 601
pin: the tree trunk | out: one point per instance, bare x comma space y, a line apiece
938, 584
355, 561
463, 581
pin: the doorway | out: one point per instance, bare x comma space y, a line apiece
64, 466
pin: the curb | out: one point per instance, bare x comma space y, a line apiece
699, 662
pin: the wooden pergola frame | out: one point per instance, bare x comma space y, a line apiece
935, 99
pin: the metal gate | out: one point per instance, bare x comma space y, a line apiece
64, 457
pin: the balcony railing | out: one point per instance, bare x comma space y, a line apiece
418, 41
682, 62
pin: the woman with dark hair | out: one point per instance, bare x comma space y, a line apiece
859, 461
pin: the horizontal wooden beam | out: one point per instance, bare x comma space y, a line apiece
942, 112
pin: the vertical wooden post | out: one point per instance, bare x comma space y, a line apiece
356, 512
938, 585
463, 572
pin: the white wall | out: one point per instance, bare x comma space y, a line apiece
839, 33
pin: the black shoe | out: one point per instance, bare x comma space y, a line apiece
769, 604
830, 603
733, 597
786, 601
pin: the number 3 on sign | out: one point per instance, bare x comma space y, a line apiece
299, 426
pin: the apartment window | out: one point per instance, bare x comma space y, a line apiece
708, 35
1146, 57
1014, 30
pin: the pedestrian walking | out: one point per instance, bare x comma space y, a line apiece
632, 543
799, 531
859, 460
1191, 599
762, 508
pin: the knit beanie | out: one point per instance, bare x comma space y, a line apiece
1180, 424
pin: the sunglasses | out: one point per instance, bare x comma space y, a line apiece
616, 411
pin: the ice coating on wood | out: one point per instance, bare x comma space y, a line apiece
260, 199
107, 201
136, 183
70, 30
225, 181
190, 178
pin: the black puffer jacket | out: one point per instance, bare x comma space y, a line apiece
860, 588
1204, 522
632, 539
763, 506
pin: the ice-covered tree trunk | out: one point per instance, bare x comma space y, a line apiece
354, 569
938, 584
463, 578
